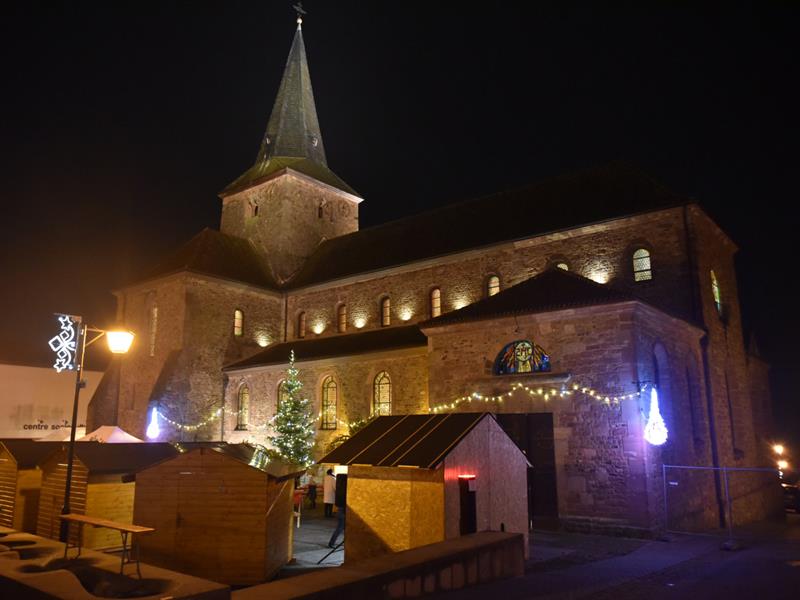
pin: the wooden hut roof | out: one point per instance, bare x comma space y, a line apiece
121, 458
405, 440
29, 453
257, 458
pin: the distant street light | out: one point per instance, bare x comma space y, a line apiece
70, 347
783, 465
778, 449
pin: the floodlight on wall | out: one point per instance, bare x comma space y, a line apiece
153, 430
655, 431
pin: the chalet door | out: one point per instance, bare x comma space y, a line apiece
468, 521
533, 434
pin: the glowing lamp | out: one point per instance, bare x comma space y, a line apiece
360, 322
119, 342
783, 465
778, 449
655, 431
467, 476
152, 428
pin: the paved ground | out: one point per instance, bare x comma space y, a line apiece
311, 543
571, 566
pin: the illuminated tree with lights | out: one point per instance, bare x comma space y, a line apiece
294, 425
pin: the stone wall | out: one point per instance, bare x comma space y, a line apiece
602, 252
605, 471
354, 376
295, 214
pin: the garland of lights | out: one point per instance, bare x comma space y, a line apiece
546, 394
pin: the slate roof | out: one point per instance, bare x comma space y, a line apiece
405, 440
376, 340
29, 453
554, 289
558, 203
121, 458
293, 138
211, 252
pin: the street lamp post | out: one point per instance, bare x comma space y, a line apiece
70, 348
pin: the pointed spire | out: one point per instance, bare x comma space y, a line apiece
293, 128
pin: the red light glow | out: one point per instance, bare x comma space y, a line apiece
469, 476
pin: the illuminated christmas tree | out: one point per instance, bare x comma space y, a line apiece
294, 425
655, 431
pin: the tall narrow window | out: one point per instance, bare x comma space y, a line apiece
301, 325
238, 322
641, 265
386, 312
716, 292
330, 396
382, 395
243, 409
436, 302
341, 318
153, 329
493, 285
283, 395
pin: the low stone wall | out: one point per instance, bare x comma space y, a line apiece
449, 565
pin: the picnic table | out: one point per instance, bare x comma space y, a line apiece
125, 530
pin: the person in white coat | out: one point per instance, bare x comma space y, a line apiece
329, 492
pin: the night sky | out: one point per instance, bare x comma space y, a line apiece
120, 123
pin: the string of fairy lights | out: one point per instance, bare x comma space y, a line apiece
546, 393
217, 413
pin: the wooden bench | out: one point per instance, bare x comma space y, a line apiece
125, 530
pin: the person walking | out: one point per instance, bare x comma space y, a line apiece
312, 492
329, 492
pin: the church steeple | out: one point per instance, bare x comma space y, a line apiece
293, 139
293, 128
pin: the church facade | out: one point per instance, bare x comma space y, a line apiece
561, 324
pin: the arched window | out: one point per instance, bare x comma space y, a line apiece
382, 395
716, 292
283, 395
301, 325
493, 285
243, 409
153, 329
522, 356
436, 302
238, 322
386, 312
330, 396
563, 266
341, 318
642, 270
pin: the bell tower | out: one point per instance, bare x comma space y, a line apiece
289, 201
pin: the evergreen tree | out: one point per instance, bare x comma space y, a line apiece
293, 425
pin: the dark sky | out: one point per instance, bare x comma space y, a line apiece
121, 121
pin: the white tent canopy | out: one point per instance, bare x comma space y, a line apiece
62, 435
110, 434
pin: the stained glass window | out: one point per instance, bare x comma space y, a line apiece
641, 265
522, 356
386, 312
330, 396
493, 285
716, 292
243, 414
382, 395
238, 322
341, 318
301, 325
436, 302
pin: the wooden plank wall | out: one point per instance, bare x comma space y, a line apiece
209, 512
29, 490
8, 487
280, 526
54, 475
108, 500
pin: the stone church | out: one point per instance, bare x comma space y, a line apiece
560, 323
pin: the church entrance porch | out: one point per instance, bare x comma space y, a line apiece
533, 434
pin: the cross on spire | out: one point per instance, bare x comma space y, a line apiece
300, 12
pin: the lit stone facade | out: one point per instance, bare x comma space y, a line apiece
301, 253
